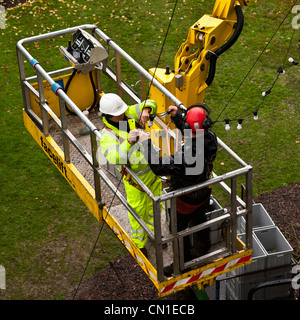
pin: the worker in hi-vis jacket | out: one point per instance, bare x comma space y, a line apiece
184, 170
120, 148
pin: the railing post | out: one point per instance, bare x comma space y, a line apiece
97, 184
143, 88
233, 215
25, 93
98, 80
249, 204
64, 126
173, 220
44, 113
158, 241
118, 73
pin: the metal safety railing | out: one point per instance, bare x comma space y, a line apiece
230, 218
67, 136
176, 238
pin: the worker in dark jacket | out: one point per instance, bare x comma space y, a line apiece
191, 208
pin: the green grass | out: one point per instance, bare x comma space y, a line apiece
46, 231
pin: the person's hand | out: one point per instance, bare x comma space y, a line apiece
145, 116
133, 134
173, 110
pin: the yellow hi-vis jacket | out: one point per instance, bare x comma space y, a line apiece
118, 151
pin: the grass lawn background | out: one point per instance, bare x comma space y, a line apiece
46, 231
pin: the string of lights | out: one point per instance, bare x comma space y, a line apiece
239, 119
255, 107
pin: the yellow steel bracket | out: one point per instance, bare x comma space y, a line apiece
195, 60
206, 36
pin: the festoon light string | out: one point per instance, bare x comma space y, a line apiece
280, 71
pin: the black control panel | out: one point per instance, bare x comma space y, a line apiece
81, 47
84, 51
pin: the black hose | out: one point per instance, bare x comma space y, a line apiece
237, 31
66, 90
213, 56
95, 92
212, 69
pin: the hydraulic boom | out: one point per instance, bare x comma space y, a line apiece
195, 61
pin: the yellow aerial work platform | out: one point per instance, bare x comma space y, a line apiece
56, 121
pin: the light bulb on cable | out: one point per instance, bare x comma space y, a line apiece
280, 70
227, 126
291, 60
266, 92
255, 116
239, 126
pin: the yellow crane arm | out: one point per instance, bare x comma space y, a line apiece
195, 61
208, 38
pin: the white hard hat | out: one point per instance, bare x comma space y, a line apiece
112, 104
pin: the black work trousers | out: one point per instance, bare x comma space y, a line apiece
201, 239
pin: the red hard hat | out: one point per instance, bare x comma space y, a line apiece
195, 117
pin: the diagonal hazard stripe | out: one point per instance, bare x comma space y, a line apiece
169, 287
206, 272
219, 269
244, 259
194, 278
